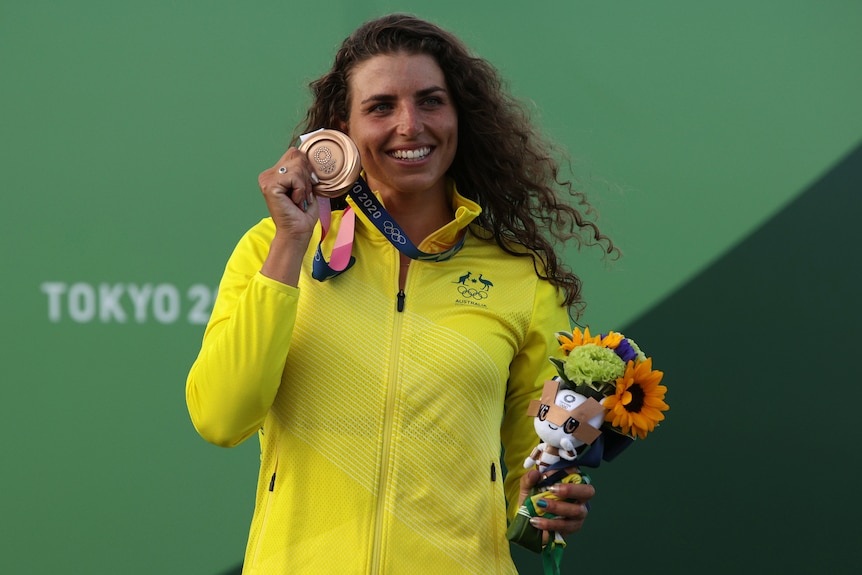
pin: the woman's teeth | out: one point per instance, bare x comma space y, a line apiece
417, 154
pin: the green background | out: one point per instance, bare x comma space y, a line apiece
719, 141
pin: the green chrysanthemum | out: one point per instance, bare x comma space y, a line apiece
591, 363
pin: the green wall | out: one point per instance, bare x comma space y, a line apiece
720, 143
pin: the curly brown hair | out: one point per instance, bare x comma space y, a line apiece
502, 162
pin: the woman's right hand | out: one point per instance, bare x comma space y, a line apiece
287, 189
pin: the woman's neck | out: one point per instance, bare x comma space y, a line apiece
419, 215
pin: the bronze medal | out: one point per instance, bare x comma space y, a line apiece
335, 160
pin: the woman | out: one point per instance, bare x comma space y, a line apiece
380, 396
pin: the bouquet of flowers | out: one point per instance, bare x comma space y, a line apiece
606, 396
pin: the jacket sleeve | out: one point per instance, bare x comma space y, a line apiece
529, 370
233, 381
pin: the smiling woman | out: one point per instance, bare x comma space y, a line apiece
365, 447
406, 127
501, 160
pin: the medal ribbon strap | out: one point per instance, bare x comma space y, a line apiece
552, 556
368, 203
340, 259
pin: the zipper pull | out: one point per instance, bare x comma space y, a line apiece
493, 472
400, 300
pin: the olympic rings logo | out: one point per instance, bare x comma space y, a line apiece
472, 293
395, 234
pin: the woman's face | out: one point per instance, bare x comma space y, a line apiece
404, 123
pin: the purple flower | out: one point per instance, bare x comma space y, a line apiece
625, 351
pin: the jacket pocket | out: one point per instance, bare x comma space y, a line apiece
495, 484
267, 501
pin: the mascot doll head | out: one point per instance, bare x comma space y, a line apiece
565, 421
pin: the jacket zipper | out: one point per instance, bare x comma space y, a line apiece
391, 388
400, 296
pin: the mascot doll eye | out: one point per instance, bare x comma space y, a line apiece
543, 412
571, 425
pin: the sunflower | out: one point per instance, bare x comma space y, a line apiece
569, 341
637, 404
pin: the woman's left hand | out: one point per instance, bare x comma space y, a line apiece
571, 508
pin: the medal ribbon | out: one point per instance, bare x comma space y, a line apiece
367, 202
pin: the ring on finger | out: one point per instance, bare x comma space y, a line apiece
282, 170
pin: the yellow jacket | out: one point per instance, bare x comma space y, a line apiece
380, 430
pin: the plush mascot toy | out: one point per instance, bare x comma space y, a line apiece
558, 419
567, 423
